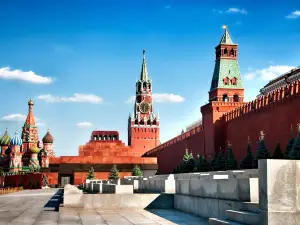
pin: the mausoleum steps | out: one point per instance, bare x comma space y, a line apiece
244, 217
214, 221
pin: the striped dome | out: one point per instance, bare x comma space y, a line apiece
5, 139
16, 140
48, 138
35, 149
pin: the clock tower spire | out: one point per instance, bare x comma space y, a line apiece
143, 124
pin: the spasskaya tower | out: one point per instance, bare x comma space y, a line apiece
143, 124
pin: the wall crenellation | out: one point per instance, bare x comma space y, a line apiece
276, 97
176, 139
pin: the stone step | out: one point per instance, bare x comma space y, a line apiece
214, 221
243, 217
250, 207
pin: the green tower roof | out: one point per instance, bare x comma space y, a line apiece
226, 68
226, 37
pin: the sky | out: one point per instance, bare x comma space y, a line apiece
79, 60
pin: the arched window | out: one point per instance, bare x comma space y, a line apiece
225, 98
235, 98
225, 51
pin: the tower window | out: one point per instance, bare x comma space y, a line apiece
225, 51
232, 52
225, 98
235, 98
226, 80
233, 81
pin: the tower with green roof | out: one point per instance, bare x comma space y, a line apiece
226, 91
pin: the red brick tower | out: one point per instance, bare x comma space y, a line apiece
226, 92
143, 124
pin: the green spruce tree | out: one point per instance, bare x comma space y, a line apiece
91, 174
213, 161
294, 154
114, 173
137, 171
289, 145
230, 163
188, 163
261, 152
220, 163
247, 161
202, 164
278, 153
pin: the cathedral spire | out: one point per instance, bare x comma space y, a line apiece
30, 118
144, 72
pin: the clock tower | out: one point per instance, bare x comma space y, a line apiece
143, 124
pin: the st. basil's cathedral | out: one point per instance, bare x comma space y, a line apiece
26, 152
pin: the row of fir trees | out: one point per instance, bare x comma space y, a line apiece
224, 160
114, 173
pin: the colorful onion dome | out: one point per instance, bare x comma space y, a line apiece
4, 141
16, 140
35, 149
48, 138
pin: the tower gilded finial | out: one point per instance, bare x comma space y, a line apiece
224, 27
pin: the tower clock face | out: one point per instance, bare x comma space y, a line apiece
144, 107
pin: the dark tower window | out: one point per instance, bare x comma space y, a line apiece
233, 81
225, 98
226, 80
235, 98
232, 52
225, 52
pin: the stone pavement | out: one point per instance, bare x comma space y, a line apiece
40, 207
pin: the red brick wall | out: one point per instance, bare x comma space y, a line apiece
52, 177
170, 154
273, 114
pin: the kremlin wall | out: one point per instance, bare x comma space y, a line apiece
228, 118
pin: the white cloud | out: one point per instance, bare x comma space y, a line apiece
269, 73
84, 124
29, 76
40, 124
162, 98
167, 98
89, 98
293, 15
14, 117
237, 10
19, 117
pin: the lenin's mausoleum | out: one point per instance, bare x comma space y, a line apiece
225, 118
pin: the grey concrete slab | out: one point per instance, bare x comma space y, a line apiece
37, 207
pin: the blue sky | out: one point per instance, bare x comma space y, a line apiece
94, 49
